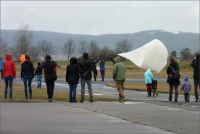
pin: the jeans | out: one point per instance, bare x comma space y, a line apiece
72, 92
50, 88
83, 81
29, 78
8, 80
196, 83
120, 89
102, 74
39, 80
171, 91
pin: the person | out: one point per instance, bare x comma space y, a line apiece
1, 67
119, 76
38, 72
50, 75
154, 86
94, 67
186, 88
85, 69
173, 78
9, 72
72, 77
102, 68
27, 73
195, 65
148, 76
111, 58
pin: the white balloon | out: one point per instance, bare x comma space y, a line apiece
152, 55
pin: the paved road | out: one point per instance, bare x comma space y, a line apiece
100, 90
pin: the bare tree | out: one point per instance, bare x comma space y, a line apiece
186, 54
3, 47
45, 48
34, 53
93, 48
83, 46
69, 48
123, 46
23, 40
104, 52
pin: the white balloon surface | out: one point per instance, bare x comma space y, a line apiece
152, 55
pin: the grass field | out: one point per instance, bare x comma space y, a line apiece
163, 87
19, 96
132, 71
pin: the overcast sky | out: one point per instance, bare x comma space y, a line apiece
101, 17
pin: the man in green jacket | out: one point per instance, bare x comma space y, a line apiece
119, 76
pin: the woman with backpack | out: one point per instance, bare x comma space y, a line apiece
173, 78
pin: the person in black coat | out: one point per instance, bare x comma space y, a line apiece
50, 75
72, 77
94, 67
85, 69
172, 81
195, 65
27, 73
39, 75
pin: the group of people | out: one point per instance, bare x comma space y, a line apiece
174, 80
82, 69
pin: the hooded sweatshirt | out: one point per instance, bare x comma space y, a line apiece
119, 70
186, 86
9, 69
148, 76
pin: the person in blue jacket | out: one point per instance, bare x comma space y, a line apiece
102, 68
1, 67
148, 76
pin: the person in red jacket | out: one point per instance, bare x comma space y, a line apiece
9, 72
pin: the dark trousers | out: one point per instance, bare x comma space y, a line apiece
95, 74
196, 85
171, 91
102, 74
50, 88
187, 96
1, 74
8, 80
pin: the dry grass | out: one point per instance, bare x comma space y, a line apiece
163, 87
41, 94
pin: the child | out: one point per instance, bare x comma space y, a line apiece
148, 76
154, 86
39, 75
186, 87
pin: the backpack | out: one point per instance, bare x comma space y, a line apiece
175, 73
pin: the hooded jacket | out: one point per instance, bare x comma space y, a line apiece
148, 76
169, 72
195, 65
119, 70
102, 65
85, 67
49, 71
27, 69
186, 86
9, 69
72, 72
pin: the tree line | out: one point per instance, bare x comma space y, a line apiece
24, 44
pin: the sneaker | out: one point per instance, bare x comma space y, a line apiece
196, 101
70, 101
50, 100
75, 101
81, 101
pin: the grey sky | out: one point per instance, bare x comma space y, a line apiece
101, 17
